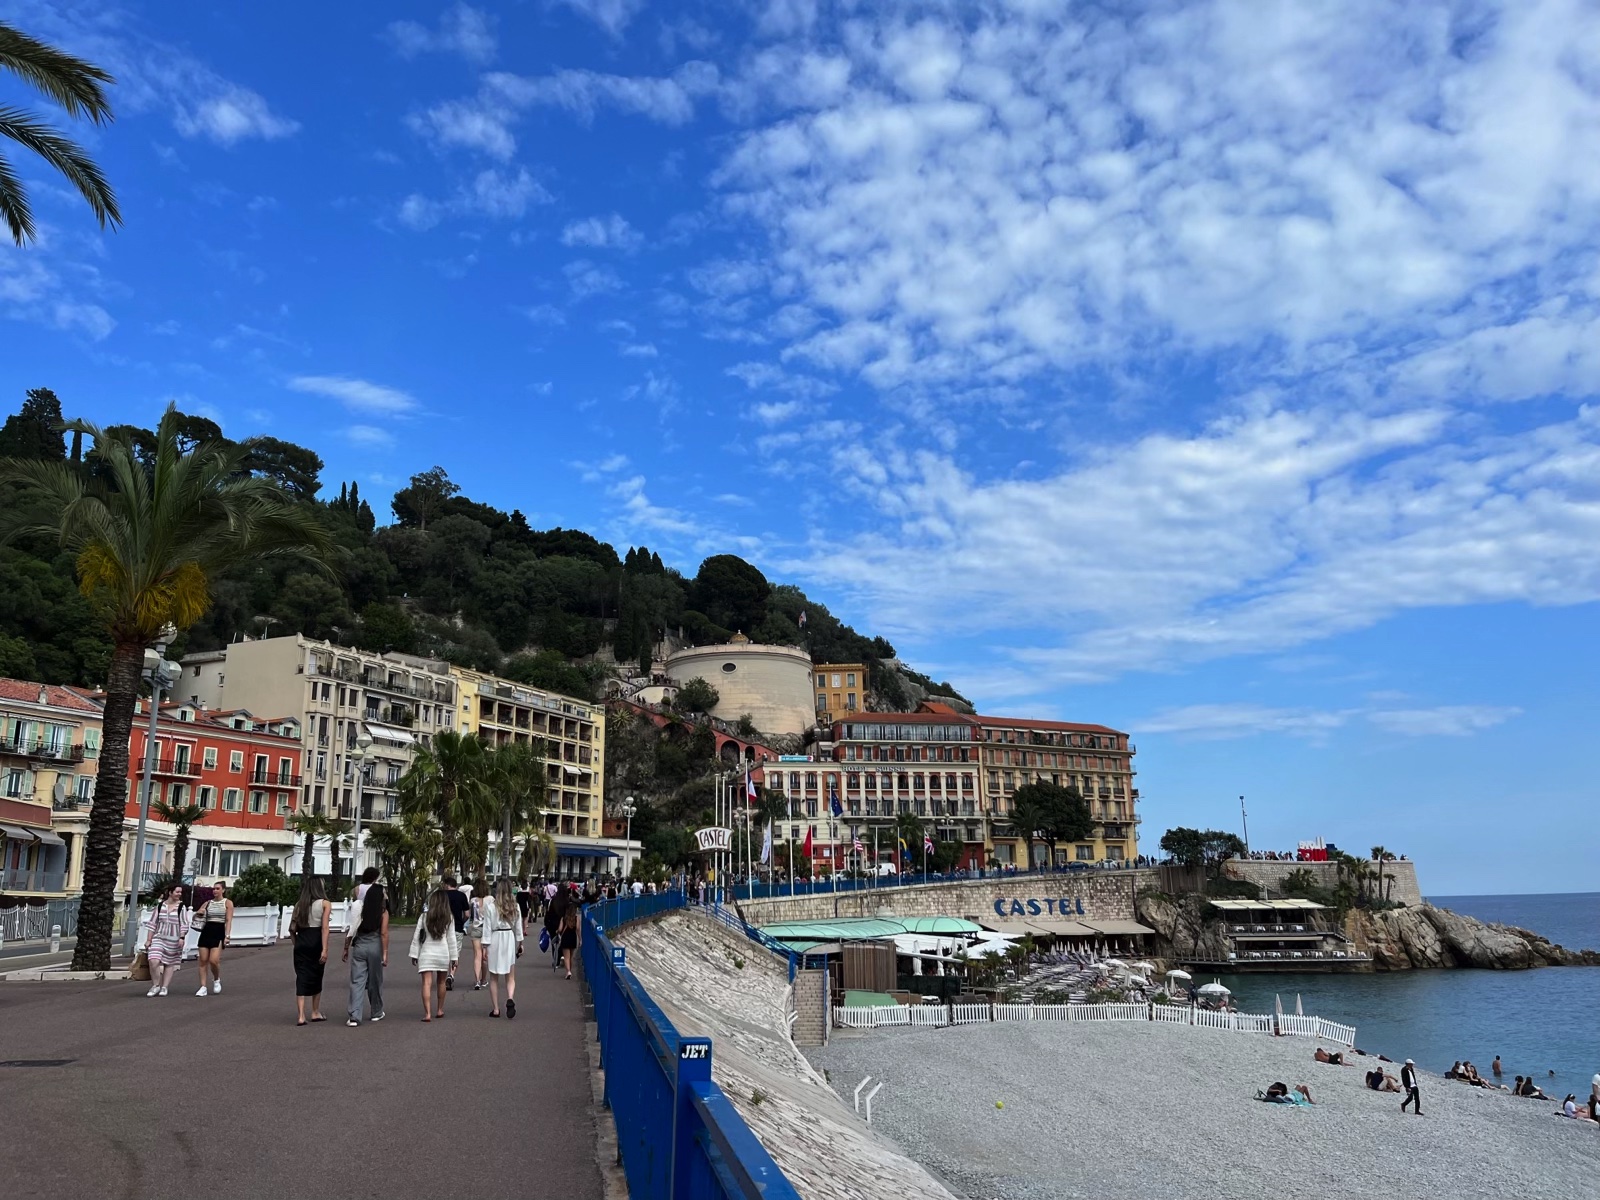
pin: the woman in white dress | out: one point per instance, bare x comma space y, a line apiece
502, 941
435, 946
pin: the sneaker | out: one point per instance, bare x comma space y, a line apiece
449, 983
203, 991
376, 1017
511, 1009
216, 985
155, 990
162, 992
353, 1023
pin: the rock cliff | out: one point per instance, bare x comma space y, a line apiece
1400, 939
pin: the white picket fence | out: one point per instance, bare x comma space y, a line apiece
940, 1015
262, 926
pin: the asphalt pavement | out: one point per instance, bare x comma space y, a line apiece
107, 1093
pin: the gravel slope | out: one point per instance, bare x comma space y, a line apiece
1114, 1111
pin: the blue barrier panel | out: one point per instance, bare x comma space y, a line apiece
678, 1136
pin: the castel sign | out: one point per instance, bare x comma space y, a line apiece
1063, 906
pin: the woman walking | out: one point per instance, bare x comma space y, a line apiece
163, 945
569, 935
434, 949
366, 947
309, 928
475, 937
503, 932
216, 917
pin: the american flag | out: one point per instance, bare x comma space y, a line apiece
857, 843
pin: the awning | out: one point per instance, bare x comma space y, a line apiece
569, 768
49, 839
18, 832
384, 733
572, 851
256, 846
1119, 928
1063, 928
1009, 928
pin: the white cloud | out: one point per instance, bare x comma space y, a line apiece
611, 15
639, 350
1221, 721
32, 291
369, 437
595, 472
760, 376
776, 412
589, 279
490, 193
1451, 720
603, 233
462, 30
357, 394
234, 116
639, 512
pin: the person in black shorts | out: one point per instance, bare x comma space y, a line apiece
460, 911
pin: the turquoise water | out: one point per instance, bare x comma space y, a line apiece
1536, 1021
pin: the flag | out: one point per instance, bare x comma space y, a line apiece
805, 847
749, 787
766, 845
905, 850
800, 622
833, 791
858, 847
927, 844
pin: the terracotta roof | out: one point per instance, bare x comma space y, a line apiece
950, 717
1028, 723
55, 695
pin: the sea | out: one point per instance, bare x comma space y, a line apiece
1543, 1022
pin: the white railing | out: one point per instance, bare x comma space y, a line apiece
941, 1015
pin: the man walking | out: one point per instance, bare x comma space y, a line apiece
460, 909
1408, 1080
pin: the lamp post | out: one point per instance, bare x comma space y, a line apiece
628, 809
356, 752
1245, 818
160, 674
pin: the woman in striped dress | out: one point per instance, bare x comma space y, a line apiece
164, 944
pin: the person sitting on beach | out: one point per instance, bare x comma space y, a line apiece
1569, 1108
1454, 1072
1380, 1080
1323, 1056
1278, 1093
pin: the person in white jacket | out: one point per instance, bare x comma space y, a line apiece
503, 934
435, 946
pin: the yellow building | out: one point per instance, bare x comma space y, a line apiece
841, 690
573, 732
49, 755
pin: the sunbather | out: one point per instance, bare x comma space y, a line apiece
1324, 1056
1380, 1080
1280, 1093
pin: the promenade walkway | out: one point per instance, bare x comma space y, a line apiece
226, 1097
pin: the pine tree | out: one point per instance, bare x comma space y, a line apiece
35, 430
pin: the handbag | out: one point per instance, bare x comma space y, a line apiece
544, 941
140, 970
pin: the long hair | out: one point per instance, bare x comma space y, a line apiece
310, 889
371, 910
438, 918
505, 904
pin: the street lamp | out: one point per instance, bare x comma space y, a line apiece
628, 809
355, 752
160, 674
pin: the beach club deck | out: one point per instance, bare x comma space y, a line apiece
1280, 935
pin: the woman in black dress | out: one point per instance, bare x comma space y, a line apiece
309, 928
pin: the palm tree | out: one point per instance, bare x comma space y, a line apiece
147, 542
448, 782
182, 817
312, 825
336, 829
1379, 855
538, 851
403, 848
75, 86
516, 780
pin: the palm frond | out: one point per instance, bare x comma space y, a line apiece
66, 156
14, 207
69, 81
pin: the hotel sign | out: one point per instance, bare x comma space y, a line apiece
1066, 906
714, 838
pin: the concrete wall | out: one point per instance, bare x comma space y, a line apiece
1271, 874
1107, 894
771, 683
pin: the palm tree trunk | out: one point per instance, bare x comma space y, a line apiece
180, 852
103, 845
308, 859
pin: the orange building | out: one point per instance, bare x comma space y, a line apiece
841, 690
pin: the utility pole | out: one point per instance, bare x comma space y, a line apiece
1245, 817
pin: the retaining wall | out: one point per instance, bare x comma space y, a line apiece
1271, 874
1090, 894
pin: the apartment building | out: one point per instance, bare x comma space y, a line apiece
572, 733
925, 763
841, 690
1096, 759
336, 693
49, 754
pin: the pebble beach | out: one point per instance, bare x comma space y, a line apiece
1114, 1110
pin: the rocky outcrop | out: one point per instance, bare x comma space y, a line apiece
1423, 936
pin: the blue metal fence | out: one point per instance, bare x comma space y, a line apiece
678, 1135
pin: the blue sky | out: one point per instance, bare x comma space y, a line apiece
1224, 372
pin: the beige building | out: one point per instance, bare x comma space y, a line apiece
337, 692
841, 690
573, 733
770, 684
49, 755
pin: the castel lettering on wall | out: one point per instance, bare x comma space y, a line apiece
1031, 907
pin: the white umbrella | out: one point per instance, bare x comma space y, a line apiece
1114, 962
1176, 974
1297, 1011
1215, 989
1277, 1004
985, 949
1144, 966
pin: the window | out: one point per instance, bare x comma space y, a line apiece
176, 796
236, 761
850, 679
208, 797
836, 679
283, 804
91, 743
822, 701
233, 862
18, 782
258, 802
209, 758
1085, 853
230, 801
730, 667
850, 702
261, 768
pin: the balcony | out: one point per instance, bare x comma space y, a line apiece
23, 879
183, 768
397, 715
71, 804
268, 779
45, 751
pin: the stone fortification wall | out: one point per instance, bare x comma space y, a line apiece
772, 684
1089, 894
1271, 874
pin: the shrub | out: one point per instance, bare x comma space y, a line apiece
263, 884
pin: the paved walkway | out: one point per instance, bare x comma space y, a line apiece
226, 1097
